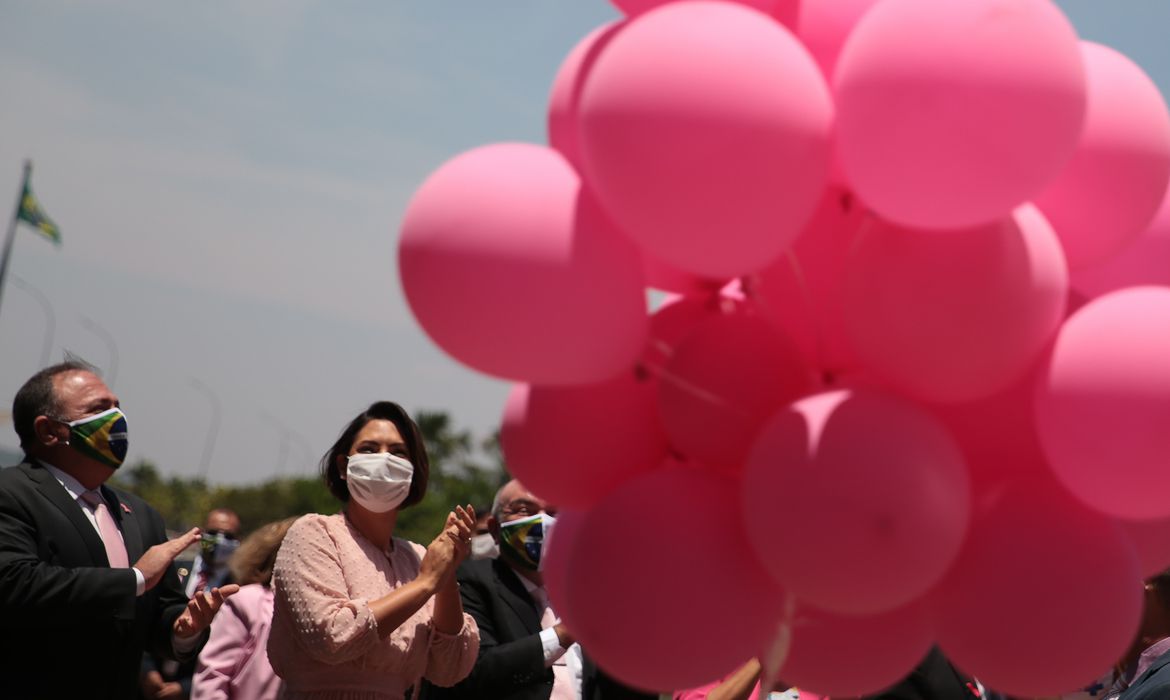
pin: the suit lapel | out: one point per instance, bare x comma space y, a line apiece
516, 596
52, 490
131, 534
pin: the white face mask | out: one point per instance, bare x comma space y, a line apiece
484, 547
378, 482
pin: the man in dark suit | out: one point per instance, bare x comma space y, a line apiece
525, 652
1147, 665
75, 615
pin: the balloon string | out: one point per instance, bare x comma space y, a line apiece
777, 652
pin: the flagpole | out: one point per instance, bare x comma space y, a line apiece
12, 228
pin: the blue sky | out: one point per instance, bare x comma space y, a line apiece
229, 178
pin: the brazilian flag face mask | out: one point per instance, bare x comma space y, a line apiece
101, 436
522, 541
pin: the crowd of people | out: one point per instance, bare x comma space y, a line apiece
96, 602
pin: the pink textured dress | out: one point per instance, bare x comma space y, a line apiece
324, 642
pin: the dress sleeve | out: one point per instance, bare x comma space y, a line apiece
223, 655
451, 656
310, 589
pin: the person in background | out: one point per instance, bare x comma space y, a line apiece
169, 679
234, 663
75, 613
1145, 670
526, 652
359, 613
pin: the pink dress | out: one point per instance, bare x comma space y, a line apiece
234, 663
324, 642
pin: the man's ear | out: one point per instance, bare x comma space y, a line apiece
43, 428
494, 528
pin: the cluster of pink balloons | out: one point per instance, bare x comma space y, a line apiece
912, 385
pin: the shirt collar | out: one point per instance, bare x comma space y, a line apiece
72, 485
1150, 655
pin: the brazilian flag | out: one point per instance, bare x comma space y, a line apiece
31, 213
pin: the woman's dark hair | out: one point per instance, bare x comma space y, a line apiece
416, 449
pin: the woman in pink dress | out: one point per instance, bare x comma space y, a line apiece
360, 614
234, 663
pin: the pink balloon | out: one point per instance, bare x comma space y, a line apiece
660, 275
959, 315
997, 434
1145, 260
566, 92
555, 561
784, 11
1046, 594
1103, 403
951, 114
725, 379
705, 133
1151, 543
1116, 179
511, 269
821, 641
824, 25
801, 292
574, 445
663, 589
888, 478
677, 318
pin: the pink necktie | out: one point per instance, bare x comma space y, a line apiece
115, 548
563, 680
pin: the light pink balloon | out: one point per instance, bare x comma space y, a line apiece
555, 560
956, 315
1046, 594
951, 114
663, 589
822, 640
725, 379
824, 25
573, 445
566, 92
784, 11
1145, 260
705, 134
801, 292
1103, 403
888, 478
1116, 179
511, 269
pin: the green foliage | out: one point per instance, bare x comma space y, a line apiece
463, 470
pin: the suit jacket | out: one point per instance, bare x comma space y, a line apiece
510, 665
70, 626
933, 679
1154, 684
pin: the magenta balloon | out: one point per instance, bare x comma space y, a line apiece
1045, 595
555, 561
512, 270
574, 445
566, 92
784, 11
663, 588
724, 380
824, 25
801, 292
667, 278
955, 316
1151, 543
887, 476
822, 640
705, 133
951, 114
1145, 260
1110, 189
1103, 403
